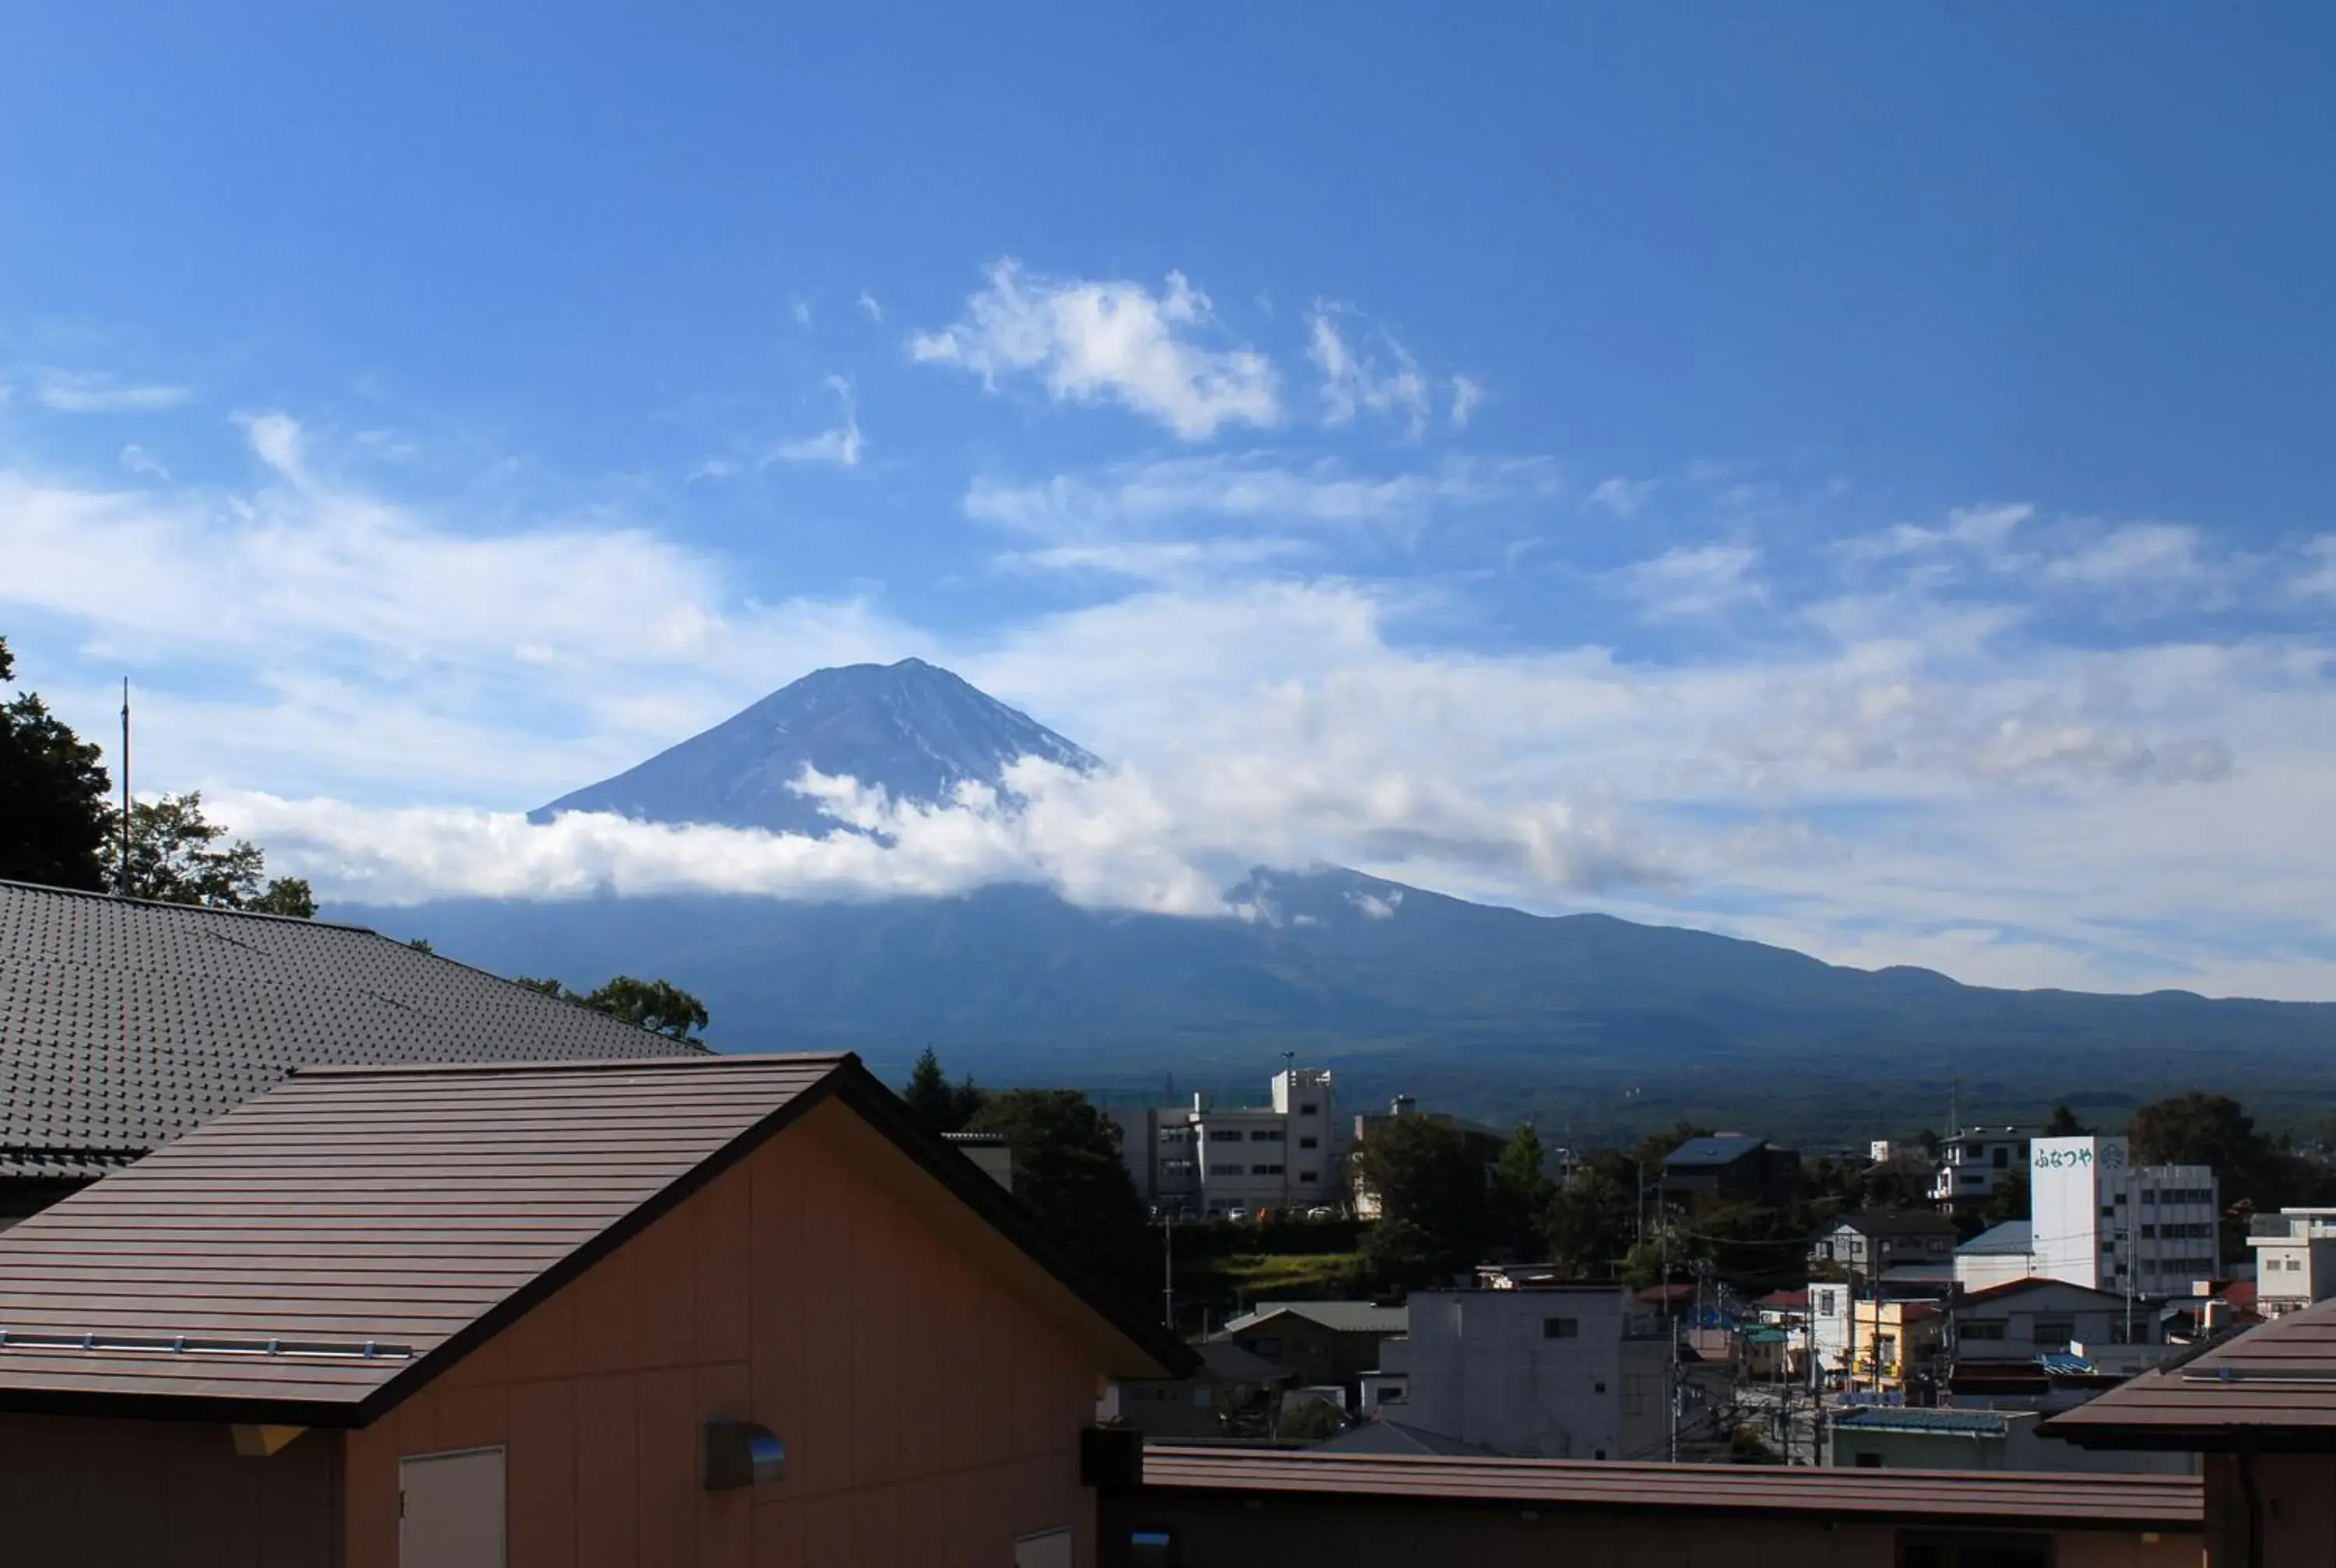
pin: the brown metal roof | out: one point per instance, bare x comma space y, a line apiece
2274, 1385
2054, 1500
124, 1023
376, 1223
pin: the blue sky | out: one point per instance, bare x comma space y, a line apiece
1856, 481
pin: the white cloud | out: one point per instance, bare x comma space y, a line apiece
1621, 497
840, 445
276, 440
800, 309
867, 302
1467, 396
136, 460
1253, 487
2151, 553
1692, 580
91, 392
1352, 381
1111, 340
2319, 580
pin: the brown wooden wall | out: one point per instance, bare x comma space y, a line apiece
1220, 1530
929, 1404
90, 1493
2298, 1494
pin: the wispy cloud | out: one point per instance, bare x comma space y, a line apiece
1467, 396
839, 444
868, 303
1109, 340
92, 392
1259, 487
135, 459
1621, 497
1352, 380
800, 309
1692, 580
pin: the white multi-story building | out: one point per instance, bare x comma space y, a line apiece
1553, 1372
1976, 1160
1829, 1324
1212, 1159
2099, 1220
2295, 1258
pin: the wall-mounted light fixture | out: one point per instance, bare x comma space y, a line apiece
743, 1454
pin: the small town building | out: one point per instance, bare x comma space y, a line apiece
2030, 1319
1318, 1342
1209, 1159
2261, 1407
1978, 1163
1997, 1256
1230, 1394
695, 1309
1256, 1509
1730, 1168
1884, 1437
2101, 1220
2295, 1258
1894, 1346
1565, 1371
1875, 1239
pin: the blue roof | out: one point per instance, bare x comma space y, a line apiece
1955, 1422
1720, 1151
2064, 1364
2012, 1238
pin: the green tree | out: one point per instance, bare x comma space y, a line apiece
2203, 1129
2008, 1200
176, 856
1520, 1194
1592, 1220
2064, 1125
944, 1106
1067, 1171
659, 1006
52, 816
1427, 1176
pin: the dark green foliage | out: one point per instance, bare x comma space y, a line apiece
1067, 1171
659, 1006
944, 1106
1435, 1210
2064, 1125
53, 813
176, 856
2009, 1201
1521, 1197
1591, 1221
1397, 1256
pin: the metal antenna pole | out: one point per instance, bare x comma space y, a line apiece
1168, 1265
122, 881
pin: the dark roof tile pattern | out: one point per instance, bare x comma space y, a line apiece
2042, 1498
2274, 1385
124, 1024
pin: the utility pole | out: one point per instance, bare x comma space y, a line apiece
1168, 1269
122, 881
1671, 1318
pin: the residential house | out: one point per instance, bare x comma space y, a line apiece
1230, 1394
689, 1310
1829, 1326
1564, 1371
2261, 1407
1882, 1437
1874, 1240
1894, 1346
2028, 1319
2102, 1221
2295, 1258
1212, 1159
1235, 1508
1997, 1256
1730, 1168
1318, 1342
125, 1023
1978, 1163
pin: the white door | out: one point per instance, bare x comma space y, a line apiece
1047, 1549
450, 1510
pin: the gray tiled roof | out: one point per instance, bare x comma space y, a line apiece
124, 1024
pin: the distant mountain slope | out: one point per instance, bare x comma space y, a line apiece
909, 727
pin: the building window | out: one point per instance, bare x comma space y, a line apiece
1310, 1176
1310, 1143
2002, 1158
1983, 1330
2055, 1332
1309, 1109
1228, 1170
1219, 1136
1265, 1169
2148, 1233
1869, 1461
1265, 1135
1391, 1394
1561, 1328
